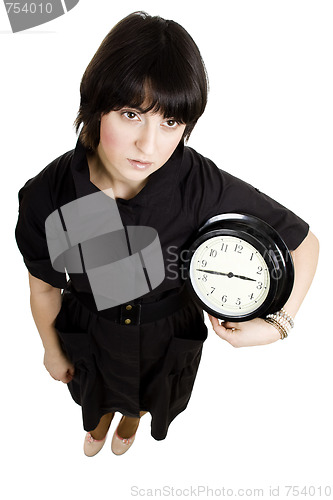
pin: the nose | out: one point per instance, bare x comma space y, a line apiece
146, 140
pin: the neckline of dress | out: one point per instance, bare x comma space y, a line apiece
116, 198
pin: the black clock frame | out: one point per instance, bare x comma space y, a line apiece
267, 241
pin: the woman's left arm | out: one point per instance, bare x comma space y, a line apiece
258, 331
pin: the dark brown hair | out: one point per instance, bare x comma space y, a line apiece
143, 53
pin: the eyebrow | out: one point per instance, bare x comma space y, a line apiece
140, 110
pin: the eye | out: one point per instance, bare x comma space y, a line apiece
130, 115
171, 123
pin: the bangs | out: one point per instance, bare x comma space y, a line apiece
165, 97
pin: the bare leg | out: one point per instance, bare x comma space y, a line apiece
100, 431
129, 425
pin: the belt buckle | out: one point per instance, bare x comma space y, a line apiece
130, 314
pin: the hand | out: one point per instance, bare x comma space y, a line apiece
248, 333
58, 366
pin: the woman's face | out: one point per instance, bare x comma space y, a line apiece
135, 144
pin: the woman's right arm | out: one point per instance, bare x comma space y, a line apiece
45, 302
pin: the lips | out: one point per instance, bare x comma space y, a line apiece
140, 165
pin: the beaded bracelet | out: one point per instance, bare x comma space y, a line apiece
282, 322
287, 316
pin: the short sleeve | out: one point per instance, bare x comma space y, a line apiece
34, 207
217, 192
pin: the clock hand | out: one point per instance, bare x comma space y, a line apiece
243, 277
214, 272
230, 275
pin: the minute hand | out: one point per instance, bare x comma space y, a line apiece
230, 275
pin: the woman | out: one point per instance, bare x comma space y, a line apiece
141, 96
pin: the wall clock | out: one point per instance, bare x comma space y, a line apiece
239, 268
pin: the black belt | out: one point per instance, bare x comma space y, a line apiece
133, 313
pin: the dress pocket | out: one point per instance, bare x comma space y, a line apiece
189, 335
74, 339
184, 361
184, 357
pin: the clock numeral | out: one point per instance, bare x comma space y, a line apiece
213, 253
251, 296
213, 289
238, 302
259, 270
238, 248
251, 256
204, 263
224, 247
259, 286
204, 278
224, 299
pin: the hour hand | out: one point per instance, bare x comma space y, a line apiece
243, 277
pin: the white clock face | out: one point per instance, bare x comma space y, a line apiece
229, 275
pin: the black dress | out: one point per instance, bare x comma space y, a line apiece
149, 366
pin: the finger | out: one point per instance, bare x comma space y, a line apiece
221, 331
231, 325
69, 376
215, 321
226, 325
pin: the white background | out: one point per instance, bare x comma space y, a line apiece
259, 417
